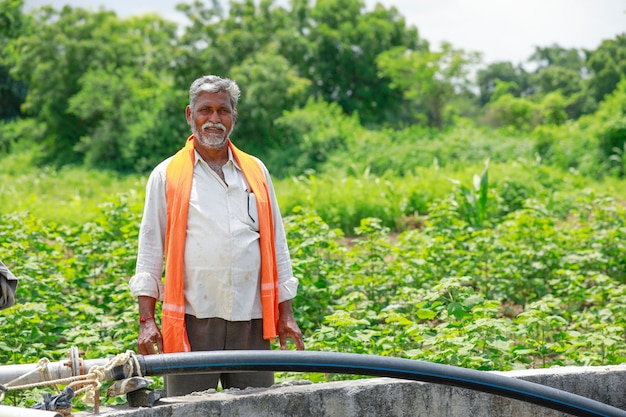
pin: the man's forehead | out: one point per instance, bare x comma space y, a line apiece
211, 96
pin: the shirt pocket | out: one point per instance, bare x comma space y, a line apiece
252, 214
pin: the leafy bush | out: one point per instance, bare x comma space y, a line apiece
72, 288
553, 108
518, 113
310, 135
526, 293
594, 145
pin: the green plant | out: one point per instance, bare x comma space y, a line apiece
473, 201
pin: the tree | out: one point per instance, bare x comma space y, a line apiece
557, 69
428, 79
270, 86
215, 42
555, 78
607, 66
342, 65
608, 125
333, 44
488, 77
71, 48
557, 56
136, 119
560, 70
13, 23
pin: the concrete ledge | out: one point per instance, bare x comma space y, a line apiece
377, 397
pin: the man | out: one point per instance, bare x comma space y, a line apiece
211, 211
8, 285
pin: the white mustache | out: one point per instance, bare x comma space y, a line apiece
217, 125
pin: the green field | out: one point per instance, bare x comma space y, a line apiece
436, 207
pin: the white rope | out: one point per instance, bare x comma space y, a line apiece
97, 374
92, 381
41, 367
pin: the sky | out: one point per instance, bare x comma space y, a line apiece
502, 30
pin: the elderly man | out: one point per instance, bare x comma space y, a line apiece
8, 285
211, 212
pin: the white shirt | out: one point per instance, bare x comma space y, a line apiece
222, 253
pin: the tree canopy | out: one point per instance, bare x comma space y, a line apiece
91, 87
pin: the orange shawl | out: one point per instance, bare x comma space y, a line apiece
179, 175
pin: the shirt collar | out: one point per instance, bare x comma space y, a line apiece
198, 158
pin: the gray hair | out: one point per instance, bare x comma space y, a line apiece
214, 84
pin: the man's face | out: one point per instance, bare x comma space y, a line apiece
212, 119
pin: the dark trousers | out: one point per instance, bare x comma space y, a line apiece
219, 334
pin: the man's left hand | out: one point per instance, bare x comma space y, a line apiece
287, 326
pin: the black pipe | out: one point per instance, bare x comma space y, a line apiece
346, 363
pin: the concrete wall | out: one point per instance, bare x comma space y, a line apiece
377, 397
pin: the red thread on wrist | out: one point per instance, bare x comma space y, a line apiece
145, 319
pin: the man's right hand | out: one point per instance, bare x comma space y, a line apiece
149, 332
149, 335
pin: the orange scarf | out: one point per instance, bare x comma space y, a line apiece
179, 175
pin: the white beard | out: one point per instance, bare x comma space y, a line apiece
211, 140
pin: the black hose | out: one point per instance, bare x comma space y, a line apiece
346, 363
